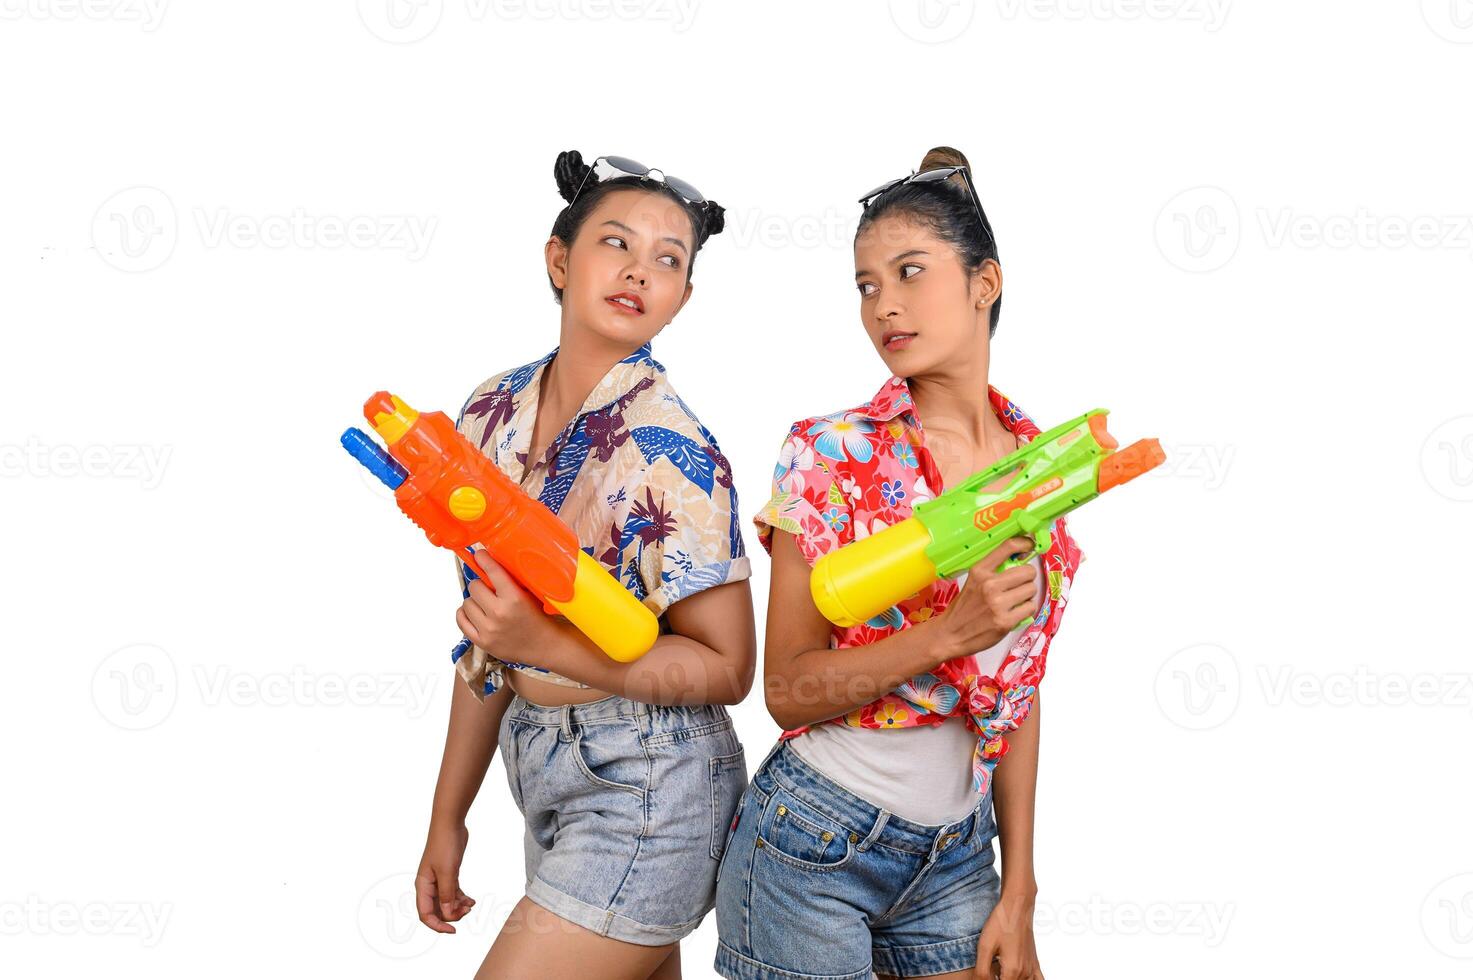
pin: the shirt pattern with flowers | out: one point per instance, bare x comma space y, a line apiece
844, 476
642, 483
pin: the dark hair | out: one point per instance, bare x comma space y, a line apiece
706, 218
944, 207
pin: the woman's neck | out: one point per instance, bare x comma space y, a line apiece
957, 400
578, 367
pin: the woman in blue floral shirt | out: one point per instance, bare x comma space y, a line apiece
627, 774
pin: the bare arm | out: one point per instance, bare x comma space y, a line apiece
470, 745
806, 680
1013, 784
1007, 943
710, 658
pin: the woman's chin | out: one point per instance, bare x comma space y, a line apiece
623, 330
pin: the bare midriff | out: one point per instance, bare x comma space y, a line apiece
549, 694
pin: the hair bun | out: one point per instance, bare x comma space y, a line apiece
570, 172
945, 156
713, 219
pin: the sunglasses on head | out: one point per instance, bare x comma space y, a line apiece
931, 176
608, 167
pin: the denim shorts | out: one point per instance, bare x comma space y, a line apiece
627, 808
821, 884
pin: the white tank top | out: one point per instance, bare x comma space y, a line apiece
923, 774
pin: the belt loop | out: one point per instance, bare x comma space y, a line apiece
776, 747
565, 717
874, 832
977, 816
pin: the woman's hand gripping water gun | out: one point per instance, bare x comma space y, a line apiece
1059, 470
462, 500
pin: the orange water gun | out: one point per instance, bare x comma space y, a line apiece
461, 499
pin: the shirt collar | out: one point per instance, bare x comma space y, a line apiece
617, 382
894, 399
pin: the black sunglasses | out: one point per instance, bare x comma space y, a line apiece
930, 176
633, 168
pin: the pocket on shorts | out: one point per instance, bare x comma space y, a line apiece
726, 793
610, 757
797, 834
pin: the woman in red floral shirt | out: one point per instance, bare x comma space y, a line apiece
864, 841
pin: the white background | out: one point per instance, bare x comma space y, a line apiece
1245, 228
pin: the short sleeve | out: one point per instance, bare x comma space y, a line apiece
681, 534
806, 501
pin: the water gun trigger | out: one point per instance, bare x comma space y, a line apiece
1042, 541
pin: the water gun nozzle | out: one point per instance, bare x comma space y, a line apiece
1129, 463
389, 416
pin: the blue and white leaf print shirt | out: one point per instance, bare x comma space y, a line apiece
635, 474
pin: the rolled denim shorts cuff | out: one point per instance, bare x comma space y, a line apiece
921, 961
606, 922
735, 966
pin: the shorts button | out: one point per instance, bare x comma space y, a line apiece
781, 809
761, 842
827, 836
853, 837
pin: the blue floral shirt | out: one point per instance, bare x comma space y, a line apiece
635, 474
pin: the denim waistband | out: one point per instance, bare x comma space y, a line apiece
873, 824
653, 720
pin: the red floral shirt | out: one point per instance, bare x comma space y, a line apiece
845, 476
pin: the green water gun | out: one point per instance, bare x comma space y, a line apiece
1058, 471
